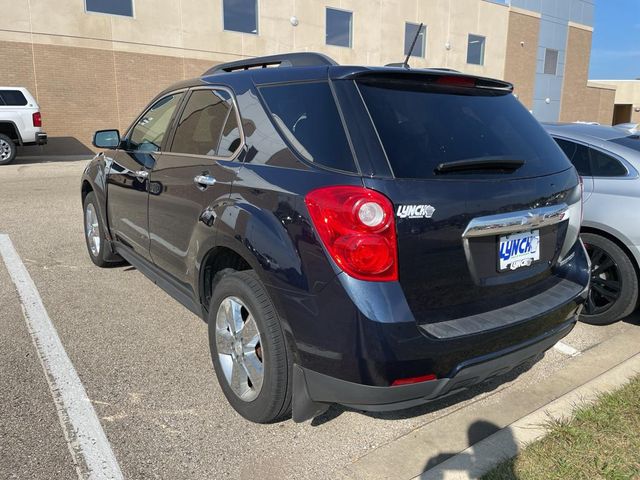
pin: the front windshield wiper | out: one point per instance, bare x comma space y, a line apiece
480, 163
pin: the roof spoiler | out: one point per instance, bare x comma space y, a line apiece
301, 59
443, 77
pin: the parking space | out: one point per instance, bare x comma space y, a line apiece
144, 362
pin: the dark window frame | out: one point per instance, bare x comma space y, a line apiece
257, 20
482, 51
326, 26
98, 12
180, 111
409, 40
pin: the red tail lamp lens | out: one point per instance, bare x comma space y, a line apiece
409, 381
455, 81
37, 119
357, 227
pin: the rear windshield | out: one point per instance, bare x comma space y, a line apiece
421, 129
12, 98
307, 115
632, 141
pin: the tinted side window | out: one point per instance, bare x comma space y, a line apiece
603, 165
578, 154
308, 117
148, 133
201, 124
13, 98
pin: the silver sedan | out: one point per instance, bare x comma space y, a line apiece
608, 159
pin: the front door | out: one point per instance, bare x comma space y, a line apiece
191, 178
128, 181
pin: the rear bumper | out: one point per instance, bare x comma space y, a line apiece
40, 139
314, 392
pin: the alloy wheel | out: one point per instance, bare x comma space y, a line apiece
5, 150
239, 348
606, 281
92, 229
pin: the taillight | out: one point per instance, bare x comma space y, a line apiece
357, 227
455, 81
37, 119
408, 381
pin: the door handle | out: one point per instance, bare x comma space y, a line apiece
204, 180
141, 174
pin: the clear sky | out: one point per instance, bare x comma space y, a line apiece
615, 52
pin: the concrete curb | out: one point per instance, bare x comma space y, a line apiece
506, 443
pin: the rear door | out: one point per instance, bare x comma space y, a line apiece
579, 156
190, 178
128, 182
477, 187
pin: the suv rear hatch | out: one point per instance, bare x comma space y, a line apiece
486, 203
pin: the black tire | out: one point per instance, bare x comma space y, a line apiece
614, 282
273, 402
102, 256
8, 150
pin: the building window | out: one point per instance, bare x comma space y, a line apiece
240, 16
550, 61
111, 7
339, 27
475, 50
410, 30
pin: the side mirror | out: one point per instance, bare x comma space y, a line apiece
106, 139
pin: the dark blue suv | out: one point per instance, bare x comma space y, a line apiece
373, 237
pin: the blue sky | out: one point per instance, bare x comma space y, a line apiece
615, 52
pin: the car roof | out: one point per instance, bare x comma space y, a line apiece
585, 131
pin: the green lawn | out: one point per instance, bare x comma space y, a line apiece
602, 441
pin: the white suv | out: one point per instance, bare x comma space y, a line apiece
20, 122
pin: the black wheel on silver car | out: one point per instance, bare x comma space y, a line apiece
8, 150
248, 348
614, 282
94, 235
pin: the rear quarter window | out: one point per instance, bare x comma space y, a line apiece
13, 98
308, 118
421, 128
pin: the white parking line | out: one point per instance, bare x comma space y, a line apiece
86, 439
566, 349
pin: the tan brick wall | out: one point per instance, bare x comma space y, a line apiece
81, 90
520, 63
580, 102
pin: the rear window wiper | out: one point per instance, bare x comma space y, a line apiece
480, 163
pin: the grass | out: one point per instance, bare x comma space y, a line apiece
602, 441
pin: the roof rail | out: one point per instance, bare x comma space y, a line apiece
302, 59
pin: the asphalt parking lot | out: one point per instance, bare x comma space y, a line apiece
144, 362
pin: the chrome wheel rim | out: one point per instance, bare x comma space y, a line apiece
92, 230
239, 349
5, 150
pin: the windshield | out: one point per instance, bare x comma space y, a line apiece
632, 141
421, 130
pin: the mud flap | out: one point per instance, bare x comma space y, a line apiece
304, 408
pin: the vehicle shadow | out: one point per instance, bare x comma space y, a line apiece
57, 149
473, 461
439, 404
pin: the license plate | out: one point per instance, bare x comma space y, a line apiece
518, 250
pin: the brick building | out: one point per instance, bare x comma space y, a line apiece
95, 63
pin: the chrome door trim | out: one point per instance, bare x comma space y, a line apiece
506, 223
